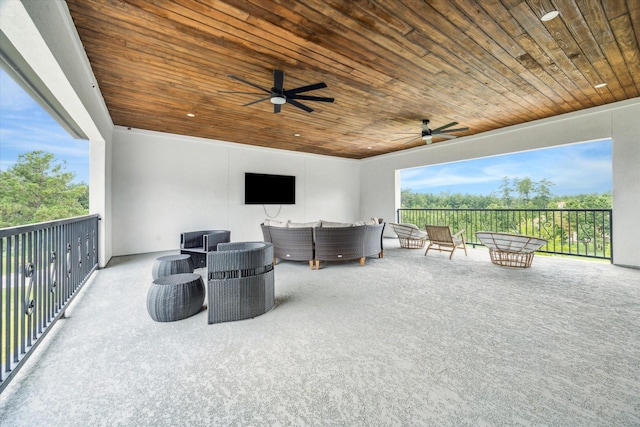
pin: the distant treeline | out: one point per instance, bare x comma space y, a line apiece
513, 193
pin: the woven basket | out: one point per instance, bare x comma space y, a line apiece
411, 243
511, 259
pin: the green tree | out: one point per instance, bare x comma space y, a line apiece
36, 189
531, 195
542, 193
589, 201
505, 191
524, 187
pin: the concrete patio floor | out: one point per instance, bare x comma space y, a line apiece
404, 340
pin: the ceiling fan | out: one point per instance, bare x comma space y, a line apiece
441, 132
279, 96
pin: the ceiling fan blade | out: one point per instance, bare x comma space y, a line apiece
277, 108
444, 127
278, 81
307, 88
240, 79
404, 137
312, 98
240, 93
256, 101
412, 140
299, 105
451, 130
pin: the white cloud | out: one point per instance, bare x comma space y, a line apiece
577, 168
445, 178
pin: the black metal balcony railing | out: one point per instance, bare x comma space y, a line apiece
577, 232
42, 268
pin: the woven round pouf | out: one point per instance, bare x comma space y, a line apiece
171, 264
175, 297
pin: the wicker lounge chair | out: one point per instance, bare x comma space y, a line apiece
440, 238
240, 281
510, 250
410, 236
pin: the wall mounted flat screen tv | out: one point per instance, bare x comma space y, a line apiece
265, 189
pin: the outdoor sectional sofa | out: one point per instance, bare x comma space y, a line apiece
325, 240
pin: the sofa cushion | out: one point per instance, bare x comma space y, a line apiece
330, 224
274, 223
371, 221
311, 224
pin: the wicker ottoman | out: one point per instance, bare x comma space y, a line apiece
175, 297
171, 264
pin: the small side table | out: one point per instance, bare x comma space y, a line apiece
172, 264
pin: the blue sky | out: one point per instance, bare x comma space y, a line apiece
574, 169
25, 127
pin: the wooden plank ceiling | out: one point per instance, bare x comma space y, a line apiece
388, 64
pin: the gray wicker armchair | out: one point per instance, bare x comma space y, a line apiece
240, 281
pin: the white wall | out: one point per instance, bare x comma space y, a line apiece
164, 184
619, 121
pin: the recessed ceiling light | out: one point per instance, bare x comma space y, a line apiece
599, 85
296, 134
549, 15
190, 115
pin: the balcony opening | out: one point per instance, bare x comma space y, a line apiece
561, 194
45, 169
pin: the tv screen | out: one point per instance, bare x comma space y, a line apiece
264, 189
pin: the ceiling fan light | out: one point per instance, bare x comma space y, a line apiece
549, 15
278, 100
